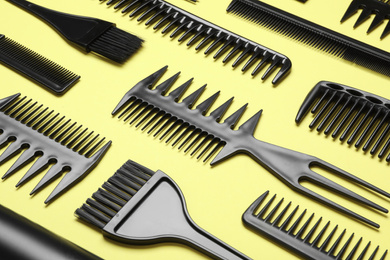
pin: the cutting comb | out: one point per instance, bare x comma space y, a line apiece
141, 207
56, 142
380, 9
153, 109
353, 115
188, 25
293, 239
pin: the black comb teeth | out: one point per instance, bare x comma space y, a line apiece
380, 10
50, 140
188, 25
289, 236
357, 117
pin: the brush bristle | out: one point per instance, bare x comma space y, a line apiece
114, 194
116, 44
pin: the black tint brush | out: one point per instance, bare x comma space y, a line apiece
141, 207
90, 34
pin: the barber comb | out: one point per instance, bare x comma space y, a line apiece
42, 134
193, 131
357, 117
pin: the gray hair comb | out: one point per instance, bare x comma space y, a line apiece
191, 125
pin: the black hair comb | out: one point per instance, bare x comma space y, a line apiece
179, 21
288, 236
191, 127
89, 34
358, 117
45, 135
312, 34
381, 10
141, 207
42, 70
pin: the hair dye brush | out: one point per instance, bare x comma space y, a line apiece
192, 126
89, 34
139, 206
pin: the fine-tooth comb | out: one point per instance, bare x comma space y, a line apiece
35, 66
297, 242
381, 10
356, 116
142, 103
45, 135
141, 207
189, 25
312, 34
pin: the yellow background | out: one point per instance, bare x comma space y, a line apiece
216, 196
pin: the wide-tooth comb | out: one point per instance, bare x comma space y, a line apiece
293, 239
153, 109
44, 134
188, 25
142, 207
353, 115
44, 71
380, 10
312, 34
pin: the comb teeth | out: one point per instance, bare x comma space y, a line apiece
119, 189
307, 246
188, 129
49, 140
35, 66
380, 10
196, 29
357, 117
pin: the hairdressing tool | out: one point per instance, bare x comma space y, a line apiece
295, 240
380, 9
139, 206
188, 25
35, 66
142, 103
89, 34
312, 34
56, 142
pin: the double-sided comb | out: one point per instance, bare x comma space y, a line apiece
141, 207
292, 238
188, 25
312, 34
42, 70
50, 139
353, 115
191, 127
379, 8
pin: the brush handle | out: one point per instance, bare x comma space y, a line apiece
78, 29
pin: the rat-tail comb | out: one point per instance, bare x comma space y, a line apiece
312, 34
187, 25
291, 236
49, 139
357, 117
193, 132
141, 207
89, 34
380, 10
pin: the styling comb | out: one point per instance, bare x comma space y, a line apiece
360, 118
293, 239
191, 128
50, 139
312, 34
178, 21
380, 10
33, 65
141, 207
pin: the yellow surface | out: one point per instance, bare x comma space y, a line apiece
216, 196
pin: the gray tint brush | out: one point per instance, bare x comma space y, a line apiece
154, 108
141, 207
